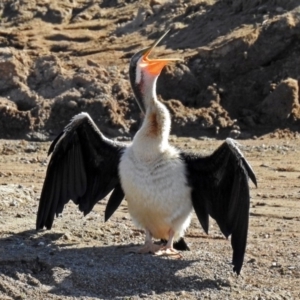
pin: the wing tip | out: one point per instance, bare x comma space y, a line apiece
107, 214
237, 270
237, 265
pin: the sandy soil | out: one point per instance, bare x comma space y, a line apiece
85, 258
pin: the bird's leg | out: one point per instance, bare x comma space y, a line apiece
148, 247
168, 249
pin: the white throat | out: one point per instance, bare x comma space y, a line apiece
152, 138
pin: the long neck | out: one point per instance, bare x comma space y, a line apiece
154, 134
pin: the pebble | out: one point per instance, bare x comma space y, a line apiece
156, 8
279, 9
72, 104
234, 133
112, 38
67, 237
91, 263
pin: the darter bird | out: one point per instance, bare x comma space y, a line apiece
161, 183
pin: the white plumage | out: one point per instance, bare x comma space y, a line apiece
152, 174
159, 199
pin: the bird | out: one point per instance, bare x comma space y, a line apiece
162, 184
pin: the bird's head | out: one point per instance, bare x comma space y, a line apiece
144, 72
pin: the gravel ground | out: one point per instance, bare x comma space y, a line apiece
85, 258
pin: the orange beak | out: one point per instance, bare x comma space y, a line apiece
154, 66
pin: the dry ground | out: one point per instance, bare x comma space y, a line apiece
84, 258
239, 76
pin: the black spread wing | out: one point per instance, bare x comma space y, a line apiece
220, 189
83, 167
114, 201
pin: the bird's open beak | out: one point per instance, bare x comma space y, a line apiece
154, 66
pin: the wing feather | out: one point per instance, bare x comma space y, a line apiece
56, 197
220, 189
114, 201
83, 168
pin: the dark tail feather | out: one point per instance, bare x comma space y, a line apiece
180, 245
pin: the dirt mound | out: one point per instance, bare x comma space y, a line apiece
60, 58
282, 104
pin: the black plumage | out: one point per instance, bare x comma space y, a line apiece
83, 168
220, 189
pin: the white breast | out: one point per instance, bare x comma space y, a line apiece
156, 191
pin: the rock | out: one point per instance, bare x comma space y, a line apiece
37, 136
55, 14
7, 103
279, 105
279, 9
72, 104
14, 122
234, 133
178, 83
205, 97
137, 22
155, 2
12, 65
23, 97
44, 71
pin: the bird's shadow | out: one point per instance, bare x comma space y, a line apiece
69, 269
